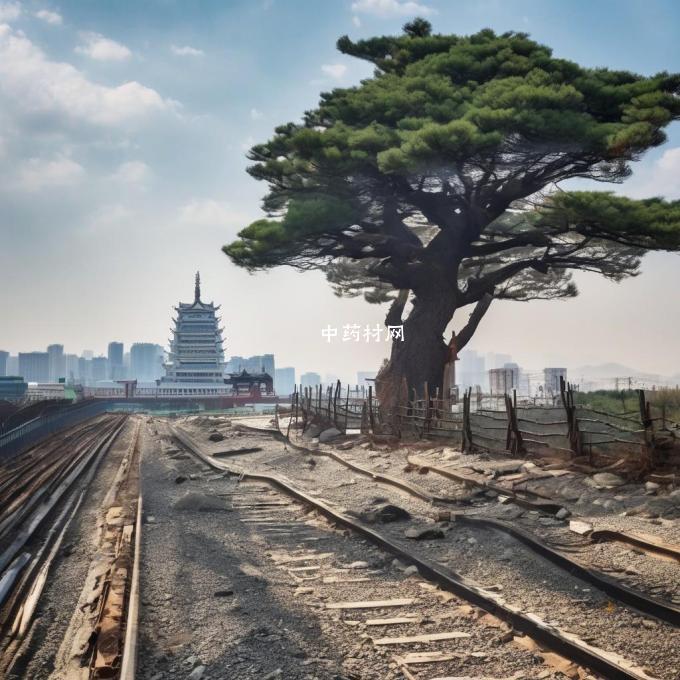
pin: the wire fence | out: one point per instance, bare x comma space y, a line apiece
566, 425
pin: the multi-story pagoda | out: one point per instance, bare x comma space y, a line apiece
196, 357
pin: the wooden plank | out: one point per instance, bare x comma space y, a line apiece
427, 657
372, 604
342, 579
429, 637
310, 568
302, 558
395, 621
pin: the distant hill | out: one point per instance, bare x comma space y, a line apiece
601, 376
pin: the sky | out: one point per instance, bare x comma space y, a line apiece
123, 132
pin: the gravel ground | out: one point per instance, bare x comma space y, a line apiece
490, 558
234, 597
68, 571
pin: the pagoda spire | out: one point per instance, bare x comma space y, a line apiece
197, 288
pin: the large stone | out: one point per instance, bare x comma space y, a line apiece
424, 533
386, 513
197, 673
329, 435
312, 431
216, 437
607, 480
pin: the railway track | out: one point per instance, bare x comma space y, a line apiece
433, 558
43, 491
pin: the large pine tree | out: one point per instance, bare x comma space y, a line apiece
435, 183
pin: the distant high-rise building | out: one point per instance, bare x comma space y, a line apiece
87, 354
85, 370
284, 381
146, 363
3, 363
13, 364
496, 360
259, 363
310, 379
57, 366
551, 380
501, 380
71, 364
115, 355
516, 376
34, 366
470, 369
100, 369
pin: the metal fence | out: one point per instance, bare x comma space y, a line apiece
32, 431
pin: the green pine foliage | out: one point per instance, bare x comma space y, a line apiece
441, 167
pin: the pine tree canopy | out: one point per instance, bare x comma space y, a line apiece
441, 171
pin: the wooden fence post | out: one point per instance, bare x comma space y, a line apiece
370, 408
346, 408
516, 441
467, 428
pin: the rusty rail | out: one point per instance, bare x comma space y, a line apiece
562, 642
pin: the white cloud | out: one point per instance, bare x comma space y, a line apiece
49, 17
334, 70
36, 85
132, 172
96, 46
659, 179
391, 8
356, 21
9, 11
210, 213
187, 51
255, 114
37, 173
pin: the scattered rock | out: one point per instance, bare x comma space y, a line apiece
216, 437
411, 571
311, 432
180, 479
652, 487
345, 446
472, 541
386, 513
424, 533
191, 660
562, 513
197, 673
359, 564
223, 593
329, 435
607, 480
580, 527
274, 674
199, 502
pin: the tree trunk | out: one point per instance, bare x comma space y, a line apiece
420, 357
